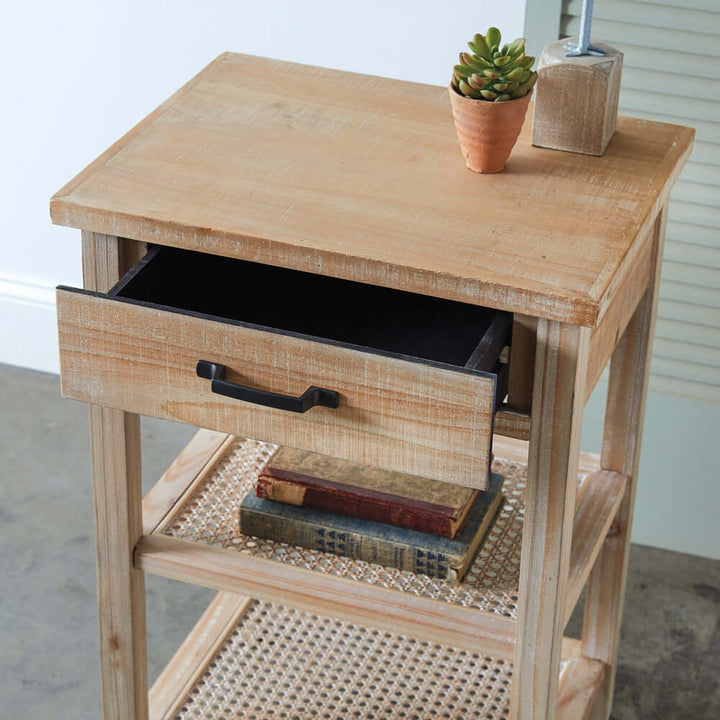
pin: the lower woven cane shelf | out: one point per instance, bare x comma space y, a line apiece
191, 533
256, 660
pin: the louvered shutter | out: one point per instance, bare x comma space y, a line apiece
671, 73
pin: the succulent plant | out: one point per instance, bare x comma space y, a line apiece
492, 72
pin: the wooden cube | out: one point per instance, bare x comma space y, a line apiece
576, 99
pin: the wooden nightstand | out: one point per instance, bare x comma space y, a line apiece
347, 186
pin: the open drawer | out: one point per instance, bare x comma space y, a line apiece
397, 380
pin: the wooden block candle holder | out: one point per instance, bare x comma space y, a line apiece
576, 99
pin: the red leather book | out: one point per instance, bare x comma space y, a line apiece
319, 482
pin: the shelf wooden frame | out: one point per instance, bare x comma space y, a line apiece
579, 681
227, 570
589, 551
579, 269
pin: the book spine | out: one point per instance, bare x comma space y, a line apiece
315, 536
353, 505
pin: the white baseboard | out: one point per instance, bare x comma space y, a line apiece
28, 325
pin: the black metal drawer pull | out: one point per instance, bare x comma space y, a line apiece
310, 398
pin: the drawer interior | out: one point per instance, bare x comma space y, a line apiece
377, 318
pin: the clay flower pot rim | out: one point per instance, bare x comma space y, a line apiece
489, 102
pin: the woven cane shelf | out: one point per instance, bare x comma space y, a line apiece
256, 660
198, 540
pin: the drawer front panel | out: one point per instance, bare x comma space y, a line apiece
396, 414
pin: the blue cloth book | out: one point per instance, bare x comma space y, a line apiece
433, 555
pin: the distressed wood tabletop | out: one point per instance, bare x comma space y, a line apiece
361, 177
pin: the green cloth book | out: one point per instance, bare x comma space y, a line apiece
418, 552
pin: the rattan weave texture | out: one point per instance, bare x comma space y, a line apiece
210, 516
288, 664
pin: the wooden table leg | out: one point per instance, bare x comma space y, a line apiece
622, 437
558, 393
115, 440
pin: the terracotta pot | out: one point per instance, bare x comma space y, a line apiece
487, 130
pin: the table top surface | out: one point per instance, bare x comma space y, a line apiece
362, 177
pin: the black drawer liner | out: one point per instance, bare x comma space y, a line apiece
369, 316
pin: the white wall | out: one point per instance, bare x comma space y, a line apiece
79, 74
678, 494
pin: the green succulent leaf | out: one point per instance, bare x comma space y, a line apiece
516, 47
466, 90
480, 47
493, 37
515, 74
476, 82
463, 70
492, 73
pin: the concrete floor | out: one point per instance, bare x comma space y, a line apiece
669, 653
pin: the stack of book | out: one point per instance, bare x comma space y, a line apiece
390, 518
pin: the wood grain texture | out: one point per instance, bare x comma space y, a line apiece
580, 683
576, 100
522, 364
602, 493
413, 417
605, 337
324, 594
177, 685
512, 424
518, 450
170, 691
197, 459
360, 177
117, 494
622, 437
558, 395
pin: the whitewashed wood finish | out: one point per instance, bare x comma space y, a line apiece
198, 458
412, 417
512, 424
597, 499
518, 450
600, 496
229, 137
576, 99
324, 594
580, 682
522, 364
605, 337
360, 177
558, 399
117, 494
622, 437
172, 687
177, 685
